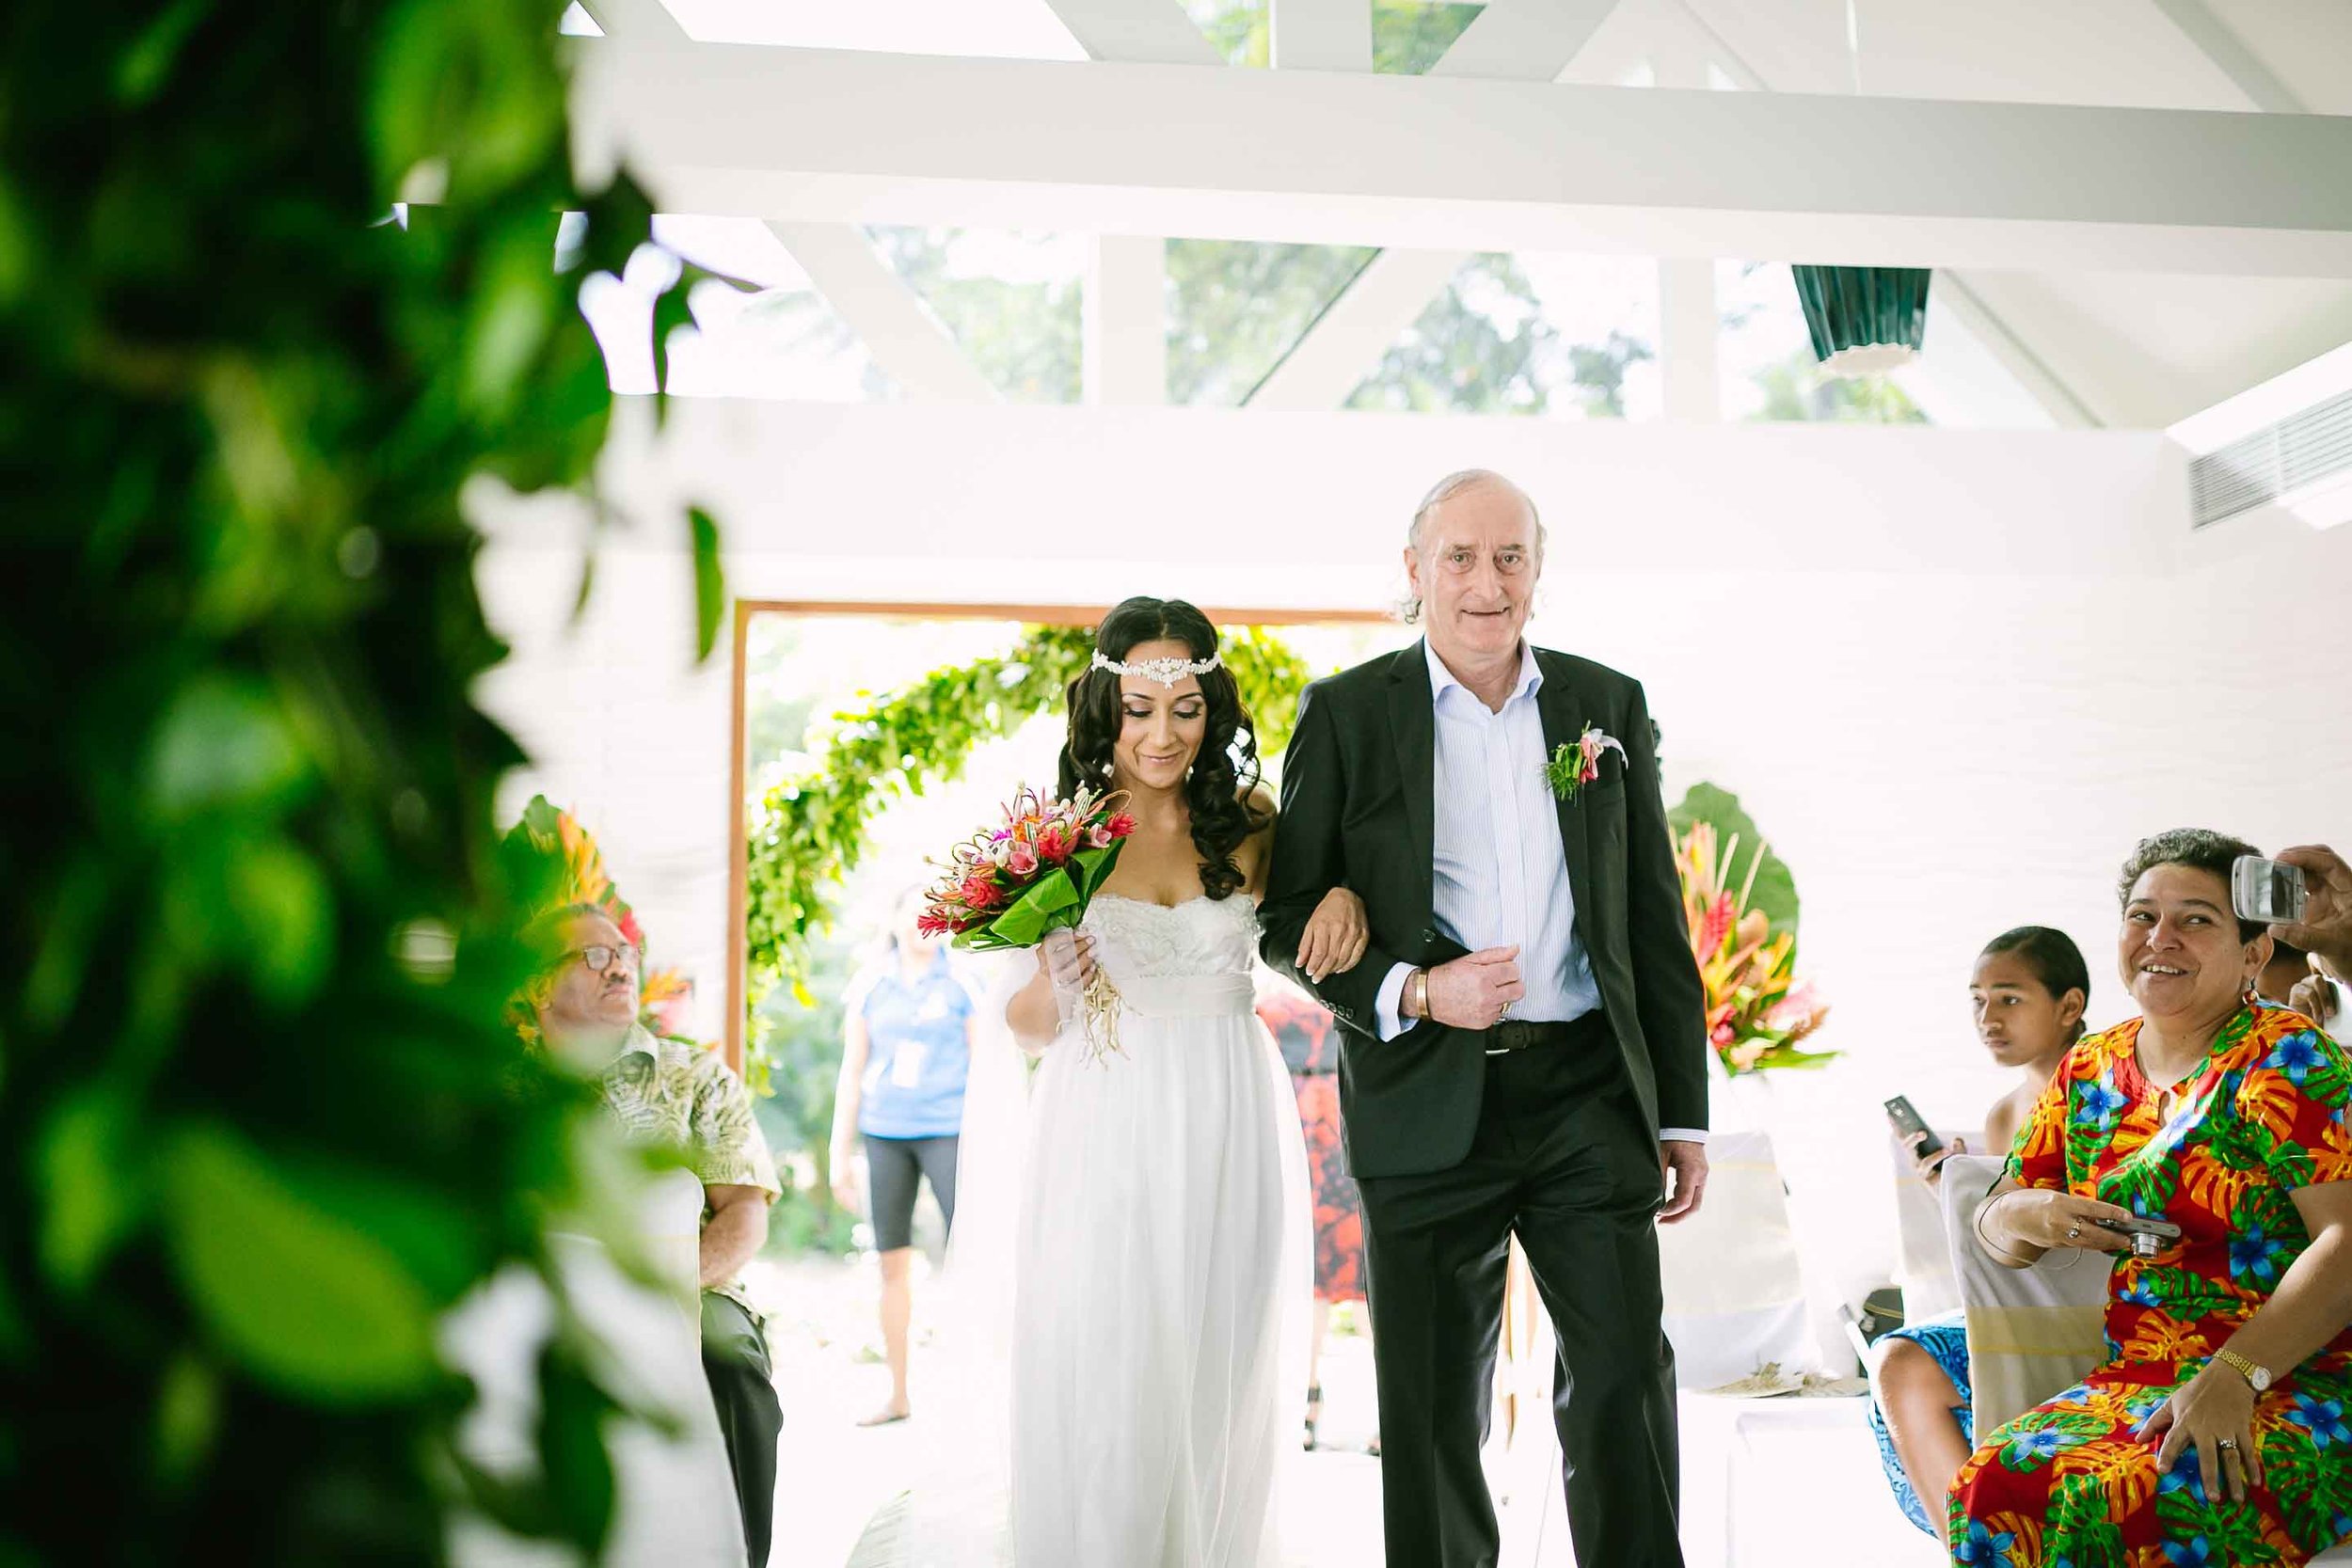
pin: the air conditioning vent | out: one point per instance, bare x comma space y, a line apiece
2277, 461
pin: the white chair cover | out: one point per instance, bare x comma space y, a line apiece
1734, 1294
1923, 1265
673, 1502
2031, 1332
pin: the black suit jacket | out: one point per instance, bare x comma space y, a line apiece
1358, 795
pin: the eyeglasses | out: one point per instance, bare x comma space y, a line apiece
599, 958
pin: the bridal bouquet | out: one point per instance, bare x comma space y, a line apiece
1007, 887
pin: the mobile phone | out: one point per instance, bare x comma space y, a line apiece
1908, 1121
2148, 1235
2272, 891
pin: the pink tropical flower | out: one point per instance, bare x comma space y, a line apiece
1800, 1010
1717, 925
1022, 861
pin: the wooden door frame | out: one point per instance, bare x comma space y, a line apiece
738, 743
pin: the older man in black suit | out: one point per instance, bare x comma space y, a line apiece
1526, 1048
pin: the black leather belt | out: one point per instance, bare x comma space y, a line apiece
1513, 1033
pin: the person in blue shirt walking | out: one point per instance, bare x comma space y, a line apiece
906, 1025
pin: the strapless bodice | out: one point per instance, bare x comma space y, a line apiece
1200, 937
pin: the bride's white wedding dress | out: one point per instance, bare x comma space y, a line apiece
1159, 1279
1165, 1196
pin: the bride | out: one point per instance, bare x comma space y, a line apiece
1158, 1241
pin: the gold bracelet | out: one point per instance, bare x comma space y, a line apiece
1421, 993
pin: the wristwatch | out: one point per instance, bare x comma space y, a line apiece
2258, 1376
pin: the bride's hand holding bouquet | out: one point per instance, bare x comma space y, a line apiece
1027, 884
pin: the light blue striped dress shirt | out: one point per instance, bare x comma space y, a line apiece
1500, 876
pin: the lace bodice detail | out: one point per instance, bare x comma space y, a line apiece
1200, 935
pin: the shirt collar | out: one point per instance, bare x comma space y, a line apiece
1531, 675
640, 1041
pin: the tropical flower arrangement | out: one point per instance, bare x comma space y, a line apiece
1758, 1011
1007, 887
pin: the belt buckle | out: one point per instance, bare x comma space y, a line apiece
1511, 1035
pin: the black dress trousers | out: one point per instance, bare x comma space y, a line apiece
742, 1386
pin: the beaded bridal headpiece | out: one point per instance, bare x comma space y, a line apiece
1167, 672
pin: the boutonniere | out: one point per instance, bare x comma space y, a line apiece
1572, 767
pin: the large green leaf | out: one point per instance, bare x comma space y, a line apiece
1052, 901
710, 582
224, 742
1775, 889
296, 1293
1094, 867
94, 1176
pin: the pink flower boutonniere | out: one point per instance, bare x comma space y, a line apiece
1574, 767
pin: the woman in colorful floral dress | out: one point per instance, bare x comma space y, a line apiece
2220, 1430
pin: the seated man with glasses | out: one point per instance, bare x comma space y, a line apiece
672, 1092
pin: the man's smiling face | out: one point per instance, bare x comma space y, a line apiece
1475, 572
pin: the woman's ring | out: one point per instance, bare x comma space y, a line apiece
2074, 1231
2229, 1443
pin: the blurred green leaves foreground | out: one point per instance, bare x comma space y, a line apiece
262, 1123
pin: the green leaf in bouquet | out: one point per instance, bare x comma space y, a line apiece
1093, 868
1024, 922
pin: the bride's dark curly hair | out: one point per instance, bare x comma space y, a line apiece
1224, 773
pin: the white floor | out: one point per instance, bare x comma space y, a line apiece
1766, 1484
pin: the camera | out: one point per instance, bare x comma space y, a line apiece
2149, 1237
2272, 891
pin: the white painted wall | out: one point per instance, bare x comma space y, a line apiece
1954, 674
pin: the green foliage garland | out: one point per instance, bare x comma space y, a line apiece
811, 831
254, 1152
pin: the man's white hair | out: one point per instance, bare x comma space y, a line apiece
1452, 485
1445, 490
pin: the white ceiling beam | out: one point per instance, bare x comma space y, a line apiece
1689, 324
1953, 288
1125, 351
819, 135
1322, 35
1344, 346
1514, 39
1153, 30
1690, 328
635, 21
902, 335
1961, 294
1522, 41
2232, 57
